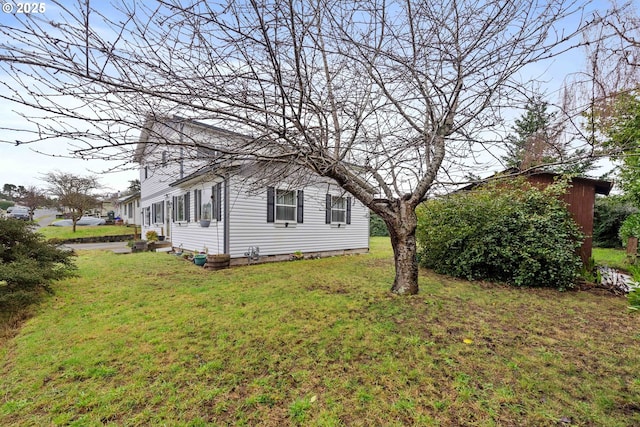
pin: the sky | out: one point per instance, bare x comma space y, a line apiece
26, 165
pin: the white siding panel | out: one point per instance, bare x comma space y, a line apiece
249, 227
192, 237
190, 234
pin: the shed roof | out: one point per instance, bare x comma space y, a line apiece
601, 186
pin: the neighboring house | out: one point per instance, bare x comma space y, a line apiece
580, 199
128, 209
101, 210
200, 204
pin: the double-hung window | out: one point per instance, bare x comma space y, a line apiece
181, 208
285, 206
338, 210
157, 212
146, 216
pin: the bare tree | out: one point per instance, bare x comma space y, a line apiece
33, 198
387, 98
612, 50
73, 192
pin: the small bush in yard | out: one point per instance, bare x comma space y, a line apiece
28, 264
513, 233
630, 228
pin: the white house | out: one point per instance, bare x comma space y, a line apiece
128, 209
199, 204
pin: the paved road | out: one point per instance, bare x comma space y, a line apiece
105, 245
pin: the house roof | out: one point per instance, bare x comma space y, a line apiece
147, 131
206, 172
601, 186
129, 197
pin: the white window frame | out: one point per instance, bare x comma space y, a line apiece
338, 208
286, 205
146, 217
181, 209
158, 218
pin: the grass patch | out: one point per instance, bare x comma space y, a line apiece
64, 233
148, 339
614, 258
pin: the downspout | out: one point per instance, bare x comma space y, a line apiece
226, 214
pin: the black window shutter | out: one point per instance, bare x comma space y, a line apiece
162, 211
197, 195
348, 210
173, 209
218, 202
327, 215
195, 205
300, 210
153, 213
187, 207
271, 204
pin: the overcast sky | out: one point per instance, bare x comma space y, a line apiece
25, 165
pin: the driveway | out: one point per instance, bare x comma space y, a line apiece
44, 217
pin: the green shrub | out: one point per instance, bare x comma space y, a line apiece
28, 264
512, 233
630, 228
152, 236
377, 227
608, 216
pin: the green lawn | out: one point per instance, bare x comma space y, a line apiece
149, 339
614, 258
64, 233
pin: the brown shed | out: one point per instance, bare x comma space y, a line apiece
581, 199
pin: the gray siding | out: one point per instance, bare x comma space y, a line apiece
249, 227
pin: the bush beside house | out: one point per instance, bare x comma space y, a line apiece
28, 265
514, 233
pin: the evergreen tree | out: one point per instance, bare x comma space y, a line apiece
537, 142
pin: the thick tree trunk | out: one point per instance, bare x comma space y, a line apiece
403, 241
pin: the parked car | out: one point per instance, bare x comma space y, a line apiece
85, 220
19, 212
